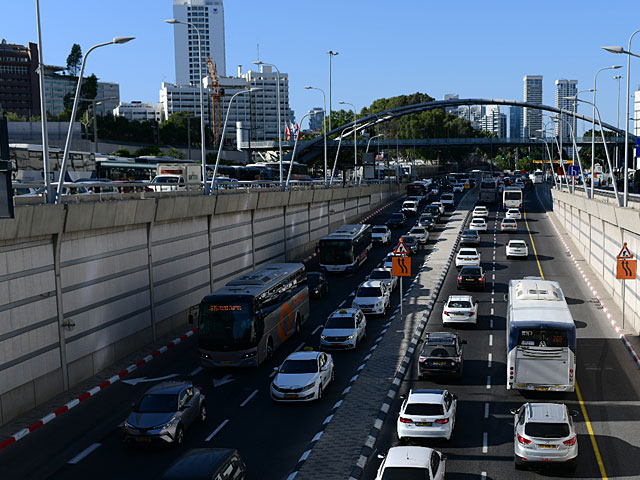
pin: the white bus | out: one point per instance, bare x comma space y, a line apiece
243, 323
538, 176
511, 198
345, 249
541, 337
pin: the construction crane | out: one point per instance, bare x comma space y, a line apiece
216, 102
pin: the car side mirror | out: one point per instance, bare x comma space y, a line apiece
575, 413
505, 297
513, 411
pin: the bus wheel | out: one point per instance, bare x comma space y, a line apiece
269, 348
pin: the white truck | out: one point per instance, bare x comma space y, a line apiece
178, 176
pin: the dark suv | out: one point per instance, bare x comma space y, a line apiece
441, 355
396, 220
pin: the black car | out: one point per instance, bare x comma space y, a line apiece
396, 220
411, 243
471, 277
318, 285
470, 237
441, 355
434, 211
209, 463
428, 221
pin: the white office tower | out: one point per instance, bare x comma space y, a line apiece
208, 17
451, 96
137, 110
532, 121
566, 88
494, 122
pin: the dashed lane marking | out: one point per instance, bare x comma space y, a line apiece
83, 454
485, 442
491, 339
488, 382
299, 347
196, 371
489, 360
486, 410
248, 399
220, 427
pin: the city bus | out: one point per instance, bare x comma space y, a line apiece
345, 249
488, 190
538, 176
417, 189
511, 198
541, 337
244, 322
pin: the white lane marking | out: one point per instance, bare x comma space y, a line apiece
196, 371
488, 382
494, 277
343, 302
491, 339
492, 311
485, 442
491, 323
486, 410
220, 427
253, 395
483, 476
83, 454
315, 330
299, 347
492, 300
490, 360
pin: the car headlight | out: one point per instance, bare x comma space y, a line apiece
350, 337
170, 424
323, 337
309, 387
127, 425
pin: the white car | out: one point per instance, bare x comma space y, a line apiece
384, 275
167, 183
410, 207
302, 377
481, 211
517, 248
344, 330
520, 184
458, 187
427, 413
460, 309
412, 462
388, 260
420, 233
415, 198
440, 206
381, 234
468, 257
509, 225
372, 297
478, 223
447, 199
513, 213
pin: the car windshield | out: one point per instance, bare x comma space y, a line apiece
299, 366
336, 252
364, 292
408, 240
470, 233
157, 403
546, 430
165, 180
379, 230
447, 196
439, 351
405, 473
468, 253
426, 409
509, 220
340, 322
477, 221
380, 275
459, 304
419, 231
409, 204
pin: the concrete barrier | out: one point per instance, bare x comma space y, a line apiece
84, 284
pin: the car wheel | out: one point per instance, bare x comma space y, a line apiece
179, 438
203, 413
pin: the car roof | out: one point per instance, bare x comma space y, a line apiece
303, 355
547, 412
198, 463
467, 251
469, 231
170, 387
477, 219
470, 268
405, 456
457, 298
344, 312
517, 241
424, 395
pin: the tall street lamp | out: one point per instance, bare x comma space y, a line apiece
295, 146
331, 54
259, 62
575, 147
355, 139
224, 127
618, 77
67, 145
43, 116
324, 127
203, 148
543, 138
618, 49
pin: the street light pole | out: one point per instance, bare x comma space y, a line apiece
355, 140
293, 155
67, 145
331, 54
618, 77
43, 116
367, 150
324, 127
203, 147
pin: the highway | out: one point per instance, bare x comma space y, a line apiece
86, 442
608, 400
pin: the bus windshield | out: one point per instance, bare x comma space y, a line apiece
511, 195
227, 325
336, 252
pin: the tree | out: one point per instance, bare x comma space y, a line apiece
122, 152
151, 150
175, 153
74, 60
89, 87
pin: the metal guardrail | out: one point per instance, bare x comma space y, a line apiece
602, 192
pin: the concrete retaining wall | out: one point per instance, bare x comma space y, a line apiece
600, 229
84, 284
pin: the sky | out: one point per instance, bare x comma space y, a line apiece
477, 49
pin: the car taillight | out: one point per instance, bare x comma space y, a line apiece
523, 440
458, 359
571, 441
422, 359
405, 420
446, 313
459, 278
443, 420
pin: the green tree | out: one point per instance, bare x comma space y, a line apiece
122, 152
151, 150
74, 60
175, 153
89, 86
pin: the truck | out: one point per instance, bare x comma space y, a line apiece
179, 176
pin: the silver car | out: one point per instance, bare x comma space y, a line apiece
544, 433
164, 413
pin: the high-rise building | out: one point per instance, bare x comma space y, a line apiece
451, 96
137, 110
566, 88
208, 17
532, 117
515, 122
19, 87
494, 122
315, 119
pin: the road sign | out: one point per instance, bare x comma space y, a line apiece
625, 253
401, 249
574, 170
401, 267
626, 269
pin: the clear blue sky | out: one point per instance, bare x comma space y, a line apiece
475, 49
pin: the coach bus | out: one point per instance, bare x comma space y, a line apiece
541, 337
488, 190
243, 323
538, 176
345, 249
512, 198
417, 189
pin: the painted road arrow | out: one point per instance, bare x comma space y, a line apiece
226, 379
135, 381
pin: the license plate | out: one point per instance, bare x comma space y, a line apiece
227, 362
366, 310
423, 424
440, 364
143, 440
547, 446
469, 280
544, 389
291, 395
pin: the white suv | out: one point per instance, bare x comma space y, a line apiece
381, 234
345, 328
410, 207
480, 211
447, 199
427, 413
372, 297
468, 256
460, 309
384, 275
517, 248
420, 233
419, 462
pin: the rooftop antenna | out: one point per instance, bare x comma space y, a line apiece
258, 45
